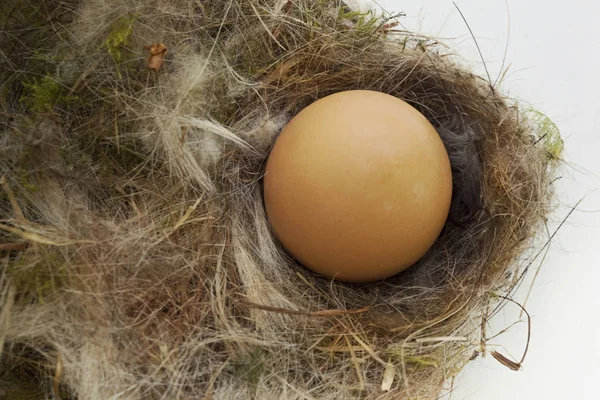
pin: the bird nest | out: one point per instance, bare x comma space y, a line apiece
137, 260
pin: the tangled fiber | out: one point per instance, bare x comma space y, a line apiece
136, 258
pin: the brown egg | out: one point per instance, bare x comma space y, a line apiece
358, 186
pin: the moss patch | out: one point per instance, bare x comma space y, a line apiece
119, 36
547, 132
43, 94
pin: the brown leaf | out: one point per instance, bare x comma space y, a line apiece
515, 366
388, 377
157, 56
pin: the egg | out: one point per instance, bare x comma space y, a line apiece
358, 186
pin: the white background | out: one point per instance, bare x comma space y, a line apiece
554, 57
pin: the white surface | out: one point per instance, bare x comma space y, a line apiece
554, 57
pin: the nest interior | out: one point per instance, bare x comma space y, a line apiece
137, 260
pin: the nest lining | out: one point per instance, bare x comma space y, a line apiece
142, 264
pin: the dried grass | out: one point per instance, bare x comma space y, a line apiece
137, 261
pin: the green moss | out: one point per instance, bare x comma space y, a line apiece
28, 40
423, 361
118, 38
415, 361
361, 19
547, 132
364, 22
43, 94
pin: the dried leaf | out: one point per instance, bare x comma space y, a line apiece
515, 366
388, 377
157, 56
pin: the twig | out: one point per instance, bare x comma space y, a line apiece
515, 366
13, 246
484, 320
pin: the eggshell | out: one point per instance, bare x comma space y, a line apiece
358, 186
